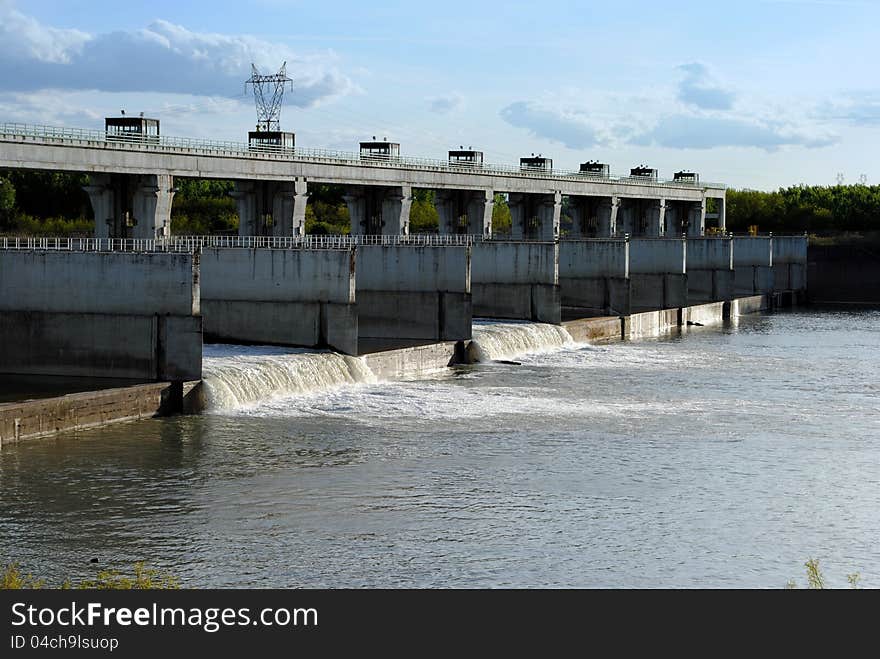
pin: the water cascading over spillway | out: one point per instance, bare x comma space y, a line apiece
237, 376
507, 340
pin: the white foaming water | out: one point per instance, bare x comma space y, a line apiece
238, 376
511, 339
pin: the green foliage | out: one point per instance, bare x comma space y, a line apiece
203, 207
144, 578
14, 579
501, 222
805, 208
816, 580
27, 225
423, 216
51, 194
7, 197
327, 212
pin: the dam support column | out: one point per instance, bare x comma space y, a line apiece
411, 293
535, 216
517, 280
657, 272
709, 269
295, 297
379, 210
752, 265
593, 217
133, 315
789, 263
271, 208
594, 277
131, 206
465, 211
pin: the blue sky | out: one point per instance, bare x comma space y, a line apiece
758, 93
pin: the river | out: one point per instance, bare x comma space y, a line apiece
721, 457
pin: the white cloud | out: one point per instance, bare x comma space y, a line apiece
697, 89
22, 37
855, 108
571, 128
681, 131
163, 57
446, 104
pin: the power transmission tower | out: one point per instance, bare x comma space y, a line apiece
268, 93
840, 178
863, 179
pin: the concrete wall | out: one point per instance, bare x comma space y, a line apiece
752, 265
594, 277
657, 273
709, 269
518, 280
789, 263
40, 418
295, 297
100, 314
834, 269
414, 292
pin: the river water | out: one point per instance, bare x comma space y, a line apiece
723, 457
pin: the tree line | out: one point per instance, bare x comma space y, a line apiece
54, 203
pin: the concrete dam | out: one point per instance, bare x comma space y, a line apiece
137, 304
384, 307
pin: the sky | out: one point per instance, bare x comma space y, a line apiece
755, 94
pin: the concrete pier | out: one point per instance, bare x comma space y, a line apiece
271, 208
517, 280
297, 297
534, 216
593, 217
594, 277
100, 314
658, 273
789, 263
379, 210
709, 269
131, 205
413, 293
752, 265
465, 211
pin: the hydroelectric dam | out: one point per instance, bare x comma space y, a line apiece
138, 304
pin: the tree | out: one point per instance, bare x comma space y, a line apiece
501, 222
7, 199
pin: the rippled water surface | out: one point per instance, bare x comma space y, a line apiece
722, 457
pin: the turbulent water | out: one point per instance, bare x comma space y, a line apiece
236, 377
498, 341
721, 457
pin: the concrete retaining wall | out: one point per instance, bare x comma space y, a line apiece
294, 297
657, 273
752, 265
40, 418
709, 269
100, 314
594, 277
789, 263
703, 314
595, 330
517, 280
413, 362
414, 292
833, 269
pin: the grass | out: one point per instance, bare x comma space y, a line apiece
143, 578
816, 580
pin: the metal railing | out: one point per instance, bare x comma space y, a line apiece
185, 145
194, 243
